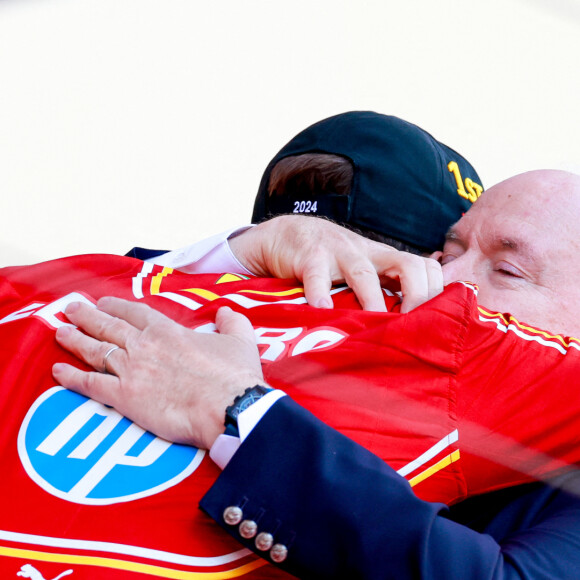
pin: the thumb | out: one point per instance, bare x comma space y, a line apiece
233, 323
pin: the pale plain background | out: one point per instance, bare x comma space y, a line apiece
149, 122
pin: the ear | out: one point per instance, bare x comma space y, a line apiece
437, 256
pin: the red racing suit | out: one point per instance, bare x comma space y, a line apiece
460, 400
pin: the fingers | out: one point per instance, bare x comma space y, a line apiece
365, 283
107, 369
91, 351
320, 253
435, 277
229, 322
421, 279
115, 321
320, 273
97, 386
317, 284
236, 325
99, 324
138, 315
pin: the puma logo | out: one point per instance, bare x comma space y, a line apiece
28, 571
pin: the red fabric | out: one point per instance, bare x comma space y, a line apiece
397, 384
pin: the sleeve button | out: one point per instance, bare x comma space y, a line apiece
233, 515
264, 541
278, 553
248, 529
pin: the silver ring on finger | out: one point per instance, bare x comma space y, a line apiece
107, 355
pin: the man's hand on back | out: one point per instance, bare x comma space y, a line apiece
167, 378
321, 253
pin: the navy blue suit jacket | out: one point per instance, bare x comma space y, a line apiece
343, 513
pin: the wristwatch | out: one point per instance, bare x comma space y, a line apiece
241, 403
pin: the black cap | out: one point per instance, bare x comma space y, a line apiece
406, 184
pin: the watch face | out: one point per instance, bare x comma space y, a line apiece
250, 398
246, 400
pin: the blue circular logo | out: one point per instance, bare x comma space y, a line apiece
85, 452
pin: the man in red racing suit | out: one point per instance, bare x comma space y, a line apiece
458, 399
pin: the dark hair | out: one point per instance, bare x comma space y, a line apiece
320, 173
309, 173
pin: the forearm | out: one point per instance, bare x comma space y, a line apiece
343, 513
319, 254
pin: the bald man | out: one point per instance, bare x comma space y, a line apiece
518, 243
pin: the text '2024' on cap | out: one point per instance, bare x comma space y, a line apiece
406, 184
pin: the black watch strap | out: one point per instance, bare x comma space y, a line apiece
241, 403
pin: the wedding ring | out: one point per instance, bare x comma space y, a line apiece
107, 355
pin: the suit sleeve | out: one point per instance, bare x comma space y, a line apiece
343, 513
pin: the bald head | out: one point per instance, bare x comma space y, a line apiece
520, 243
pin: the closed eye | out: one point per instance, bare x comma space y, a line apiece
445, 258
506, 269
